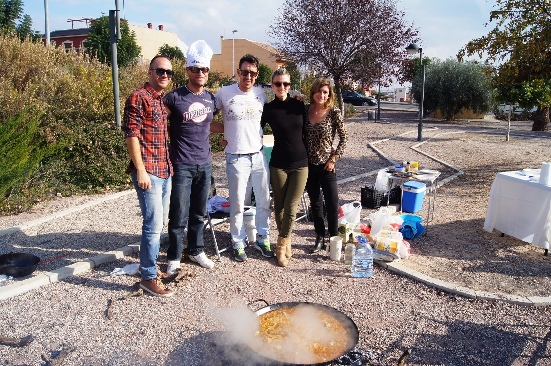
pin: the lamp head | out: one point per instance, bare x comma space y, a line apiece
233, 31
412, 49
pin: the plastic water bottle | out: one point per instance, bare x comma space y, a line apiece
349, 250
362, 264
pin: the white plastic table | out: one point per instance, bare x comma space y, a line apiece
520, 207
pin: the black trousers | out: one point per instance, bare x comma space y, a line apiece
320, 180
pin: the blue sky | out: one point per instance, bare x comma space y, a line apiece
445, 25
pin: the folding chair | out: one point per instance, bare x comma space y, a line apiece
305, 213
211, 222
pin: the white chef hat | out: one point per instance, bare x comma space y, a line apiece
199, 54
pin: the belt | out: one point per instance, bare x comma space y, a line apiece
249, 154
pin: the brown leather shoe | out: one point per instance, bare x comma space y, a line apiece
155, 288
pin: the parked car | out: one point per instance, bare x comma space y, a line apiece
355, 98
504, 109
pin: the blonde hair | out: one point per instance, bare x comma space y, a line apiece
317, 85
281, 71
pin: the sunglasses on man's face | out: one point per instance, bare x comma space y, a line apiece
195, 69
279, 83
160, 72
248, 72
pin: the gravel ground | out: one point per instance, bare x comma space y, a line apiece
392, 313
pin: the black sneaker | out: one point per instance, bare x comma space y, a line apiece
264, 248
239, 255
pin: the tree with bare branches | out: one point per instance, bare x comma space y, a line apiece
360, 39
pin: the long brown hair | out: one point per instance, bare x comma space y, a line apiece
317, 85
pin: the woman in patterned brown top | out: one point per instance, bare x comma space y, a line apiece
324, 121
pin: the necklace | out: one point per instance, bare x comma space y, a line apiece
318, 111
192, 92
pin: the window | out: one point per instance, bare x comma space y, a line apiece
67, 45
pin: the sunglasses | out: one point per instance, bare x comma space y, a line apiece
248, 72
195, 69
160, 72
279, 83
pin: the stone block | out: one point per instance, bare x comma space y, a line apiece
19, 287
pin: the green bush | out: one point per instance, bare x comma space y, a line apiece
58, 134
63, 100
21, 152
349, 110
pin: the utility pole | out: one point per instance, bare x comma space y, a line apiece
115, 35
47, 30
233, 54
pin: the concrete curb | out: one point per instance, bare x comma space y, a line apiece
26, 285
449, 287
454, 289
42, 279
66, 212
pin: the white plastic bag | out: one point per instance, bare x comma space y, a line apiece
215, 204
129, 269
403, 249
380, 220
392, 241
381, 184
350, 213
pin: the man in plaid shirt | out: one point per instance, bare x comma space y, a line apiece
145, 129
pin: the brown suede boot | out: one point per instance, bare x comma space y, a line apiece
288, 252
281, 248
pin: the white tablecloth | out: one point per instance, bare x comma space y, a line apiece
520, 207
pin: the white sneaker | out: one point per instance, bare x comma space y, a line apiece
172, 267
202, 259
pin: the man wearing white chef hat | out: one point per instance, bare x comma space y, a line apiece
191, 110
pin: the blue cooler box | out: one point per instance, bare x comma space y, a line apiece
413, 195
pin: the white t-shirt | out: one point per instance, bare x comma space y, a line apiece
241, 112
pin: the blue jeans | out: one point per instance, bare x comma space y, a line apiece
154, 203
239, 168
188, 207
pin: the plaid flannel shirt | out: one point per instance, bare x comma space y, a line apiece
145, 117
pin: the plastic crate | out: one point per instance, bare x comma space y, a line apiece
370, 198
395, 195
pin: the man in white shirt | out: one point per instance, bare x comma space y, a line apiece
242, 106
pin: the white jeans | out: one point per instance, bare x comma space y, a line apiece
239, 168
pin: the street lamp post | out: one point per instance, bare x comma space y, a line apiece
233, 53
46, 23
413, 49
379, 102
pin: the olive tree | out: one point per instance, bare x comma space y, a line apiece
521, 41
340, 38
451, 86
264, 74
172, 52
99, 42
